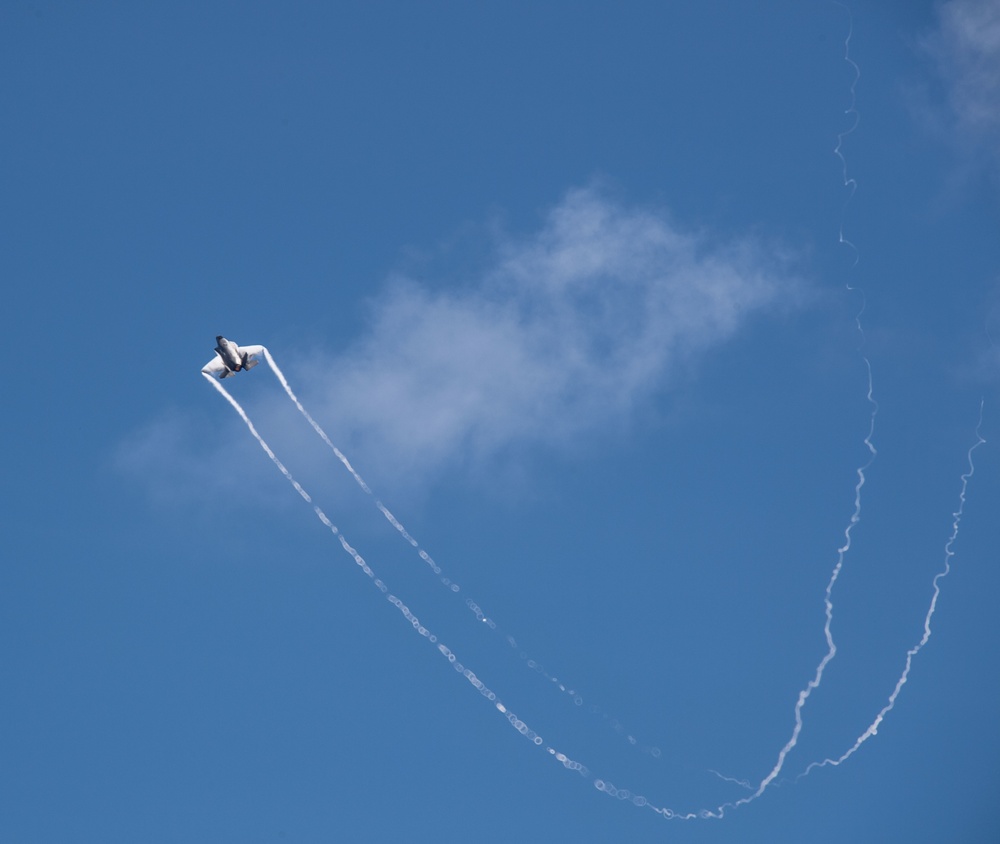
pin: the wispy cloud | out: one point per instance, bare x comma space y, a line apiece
966, 46
180, 458
562, 335
565, 333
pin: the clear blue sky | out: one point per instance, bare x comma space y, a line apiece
566, 283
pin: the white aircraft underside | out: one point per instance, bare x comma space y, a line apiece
230, 358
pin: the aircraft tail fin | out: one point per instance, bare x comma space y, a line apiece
249, 362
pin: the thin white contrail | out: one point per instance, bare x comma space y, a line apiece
831, 647
284, 383
236, 405
872, 728
480, 614
454, 587
742, 783
849, 182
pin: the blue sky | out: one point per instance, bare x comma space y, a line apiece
568, 285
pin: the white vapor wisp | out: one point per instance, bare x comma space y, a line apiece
565, 333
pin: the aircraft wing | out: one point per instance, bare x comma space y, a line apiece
254, 353
217, 368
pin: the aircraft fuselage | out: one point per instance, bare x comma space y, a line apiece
230, 353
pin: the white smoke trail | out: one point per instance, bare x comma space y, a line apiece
225, 393
849, 182
284, 383
741, 783
454, 587
446, 581
872, 728
447, 653
831, 651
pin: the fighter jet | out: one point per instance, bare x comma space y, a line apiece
230, 358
